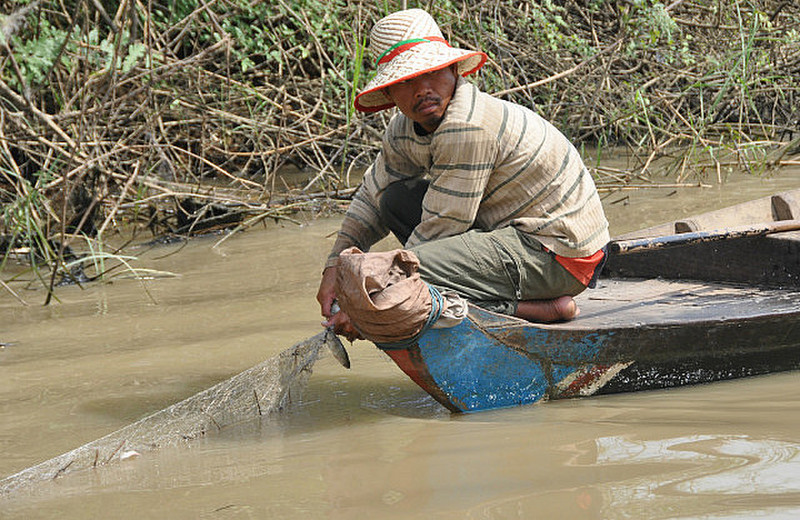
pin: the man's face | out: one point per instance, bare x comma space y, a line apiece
424, 99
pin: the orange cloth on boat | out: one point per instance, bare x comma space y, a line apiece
383, 294
582, 268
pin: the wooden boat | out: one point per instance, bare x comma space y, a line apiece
704, 299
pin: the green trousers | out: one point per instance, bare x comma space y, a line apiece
495, 269
492, 269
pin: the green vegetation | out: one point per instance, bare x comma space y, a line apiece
174, 116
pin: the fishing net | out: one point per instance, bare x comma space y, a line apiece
268, 387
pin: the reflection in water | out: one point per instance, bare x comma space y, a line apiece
767, 467
747, 471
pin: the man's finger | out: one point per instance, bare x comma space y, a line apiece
325, 304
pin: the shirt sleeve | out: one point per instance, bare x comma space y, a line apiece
464, 157
362, 225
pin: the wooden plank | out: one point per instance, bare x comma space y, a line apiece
662, 242
645, 303
759, 210
767, 261
786, 206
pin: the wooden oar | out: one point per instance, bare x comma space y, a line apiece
621, 247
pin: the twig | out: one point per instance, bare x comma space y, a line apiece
13, 293
560, 75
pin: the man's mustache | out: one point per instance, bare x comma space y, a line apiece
427, 99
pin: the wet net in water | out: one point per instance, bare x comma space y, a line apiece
266, 388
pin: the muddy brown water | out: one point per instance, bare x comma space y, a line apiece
364, 443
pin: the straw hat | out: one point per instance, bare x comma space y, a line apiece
407, 44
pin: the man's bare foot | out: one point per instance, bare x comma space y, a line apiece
563, 308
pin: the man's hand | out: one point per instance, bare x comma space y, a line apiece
340, 322
327, 291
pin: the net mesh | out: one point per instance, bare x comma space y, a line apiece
259, 391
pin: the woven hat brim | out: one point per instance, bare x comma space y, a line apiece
412, 63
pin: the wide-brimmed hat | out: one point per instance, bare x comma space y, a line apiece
407, 44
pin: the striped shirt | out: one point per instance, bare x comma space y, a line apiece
491, 164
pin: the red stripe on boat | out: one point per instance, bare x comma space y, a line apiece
589, 376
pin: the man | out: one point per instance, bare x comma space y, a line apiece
495, 202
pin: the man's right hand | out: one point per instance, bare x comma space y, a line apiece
327, 291
325, 296
341, 324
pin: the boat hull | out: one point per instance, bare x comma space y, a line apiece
662, 317
632, 335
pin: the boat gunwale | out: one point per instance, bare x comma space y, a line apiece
505, 322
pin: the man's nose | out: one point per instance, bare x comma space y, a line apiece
422, 85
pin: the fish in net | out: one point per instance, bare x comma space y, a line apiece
266, 388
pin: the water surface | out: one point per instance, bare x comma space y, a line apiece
364, 443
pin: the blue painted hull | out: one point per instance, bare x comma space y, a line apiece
685, 334
698, 312
481, 365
